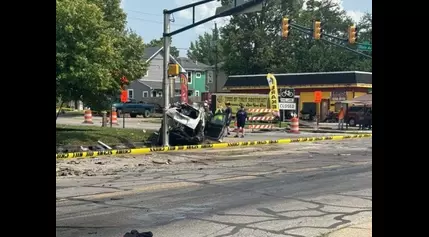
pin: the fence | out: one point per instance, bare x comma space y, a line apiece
260, 118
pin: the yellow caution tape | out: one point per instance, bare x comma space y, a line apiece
139, 151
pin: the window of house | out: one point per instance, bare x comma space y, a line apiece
210, 77
198, 75
145, 94
197, 93
130, 93
153, 93
189, 77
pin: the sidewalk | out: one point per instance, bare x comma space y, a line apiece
359, 230
320, 130
324, 130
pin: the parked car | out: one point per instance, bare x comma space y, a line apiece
134, 109
352, 114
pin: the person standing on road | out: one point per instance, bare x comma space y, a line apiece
341, 115
228, 114
241, 117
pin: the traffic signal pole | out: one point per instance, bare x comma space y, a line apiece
165, 81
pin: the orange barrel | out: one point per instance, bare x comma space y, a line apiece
88, 116
114, 118
294, 125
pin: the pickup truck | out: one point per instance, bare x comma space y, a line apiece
134, 109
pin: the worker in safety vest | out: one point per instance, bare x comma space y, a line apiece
341, 116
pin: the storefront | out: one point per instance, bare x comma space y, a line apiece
335, 87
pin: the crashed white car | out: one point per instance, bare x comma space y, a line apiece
191, 125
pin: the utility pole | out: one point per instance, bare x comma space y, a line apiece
165, 79
216, 52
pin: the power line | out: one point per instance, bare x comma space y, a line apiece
146, 20
151, 21
144, 13
307, 31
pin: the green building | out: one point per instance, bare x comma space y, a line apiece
199, 75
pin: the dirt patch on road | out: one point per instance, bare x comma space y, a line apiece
138, 163
197, 159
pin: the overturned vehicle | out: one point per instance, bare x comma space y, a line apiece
191, 125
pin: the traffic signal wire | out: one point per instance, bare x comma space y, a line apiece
347, 48
307, 31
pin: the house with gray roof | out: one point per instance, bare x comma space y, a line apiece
151, 84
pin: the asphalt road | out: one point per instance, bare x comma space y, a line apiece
301, 190
155, 124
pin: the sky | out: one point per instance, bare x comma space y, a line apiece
145, 18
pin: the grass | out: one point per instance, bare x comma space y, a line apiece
88, 135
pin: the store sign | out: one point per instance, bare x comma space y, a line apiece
287, 106
338, 95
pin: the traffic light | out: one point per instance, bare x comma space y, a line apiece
285, 27
353, 34
317, 30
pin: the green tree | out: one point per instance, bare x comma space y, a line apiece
93, 51
206, 48
251, 43
365, 28
160, 43
365, 35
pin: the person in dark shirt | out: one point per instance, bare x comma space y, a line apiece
228, 114
241, 117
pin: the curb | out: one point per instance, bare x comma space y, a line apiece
335, 131
139, 151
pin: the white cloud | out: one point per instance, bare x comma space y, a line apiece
339, 2
201, 12
355, 15
122, 4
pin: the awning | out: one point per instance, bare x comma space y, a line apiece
361, 100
